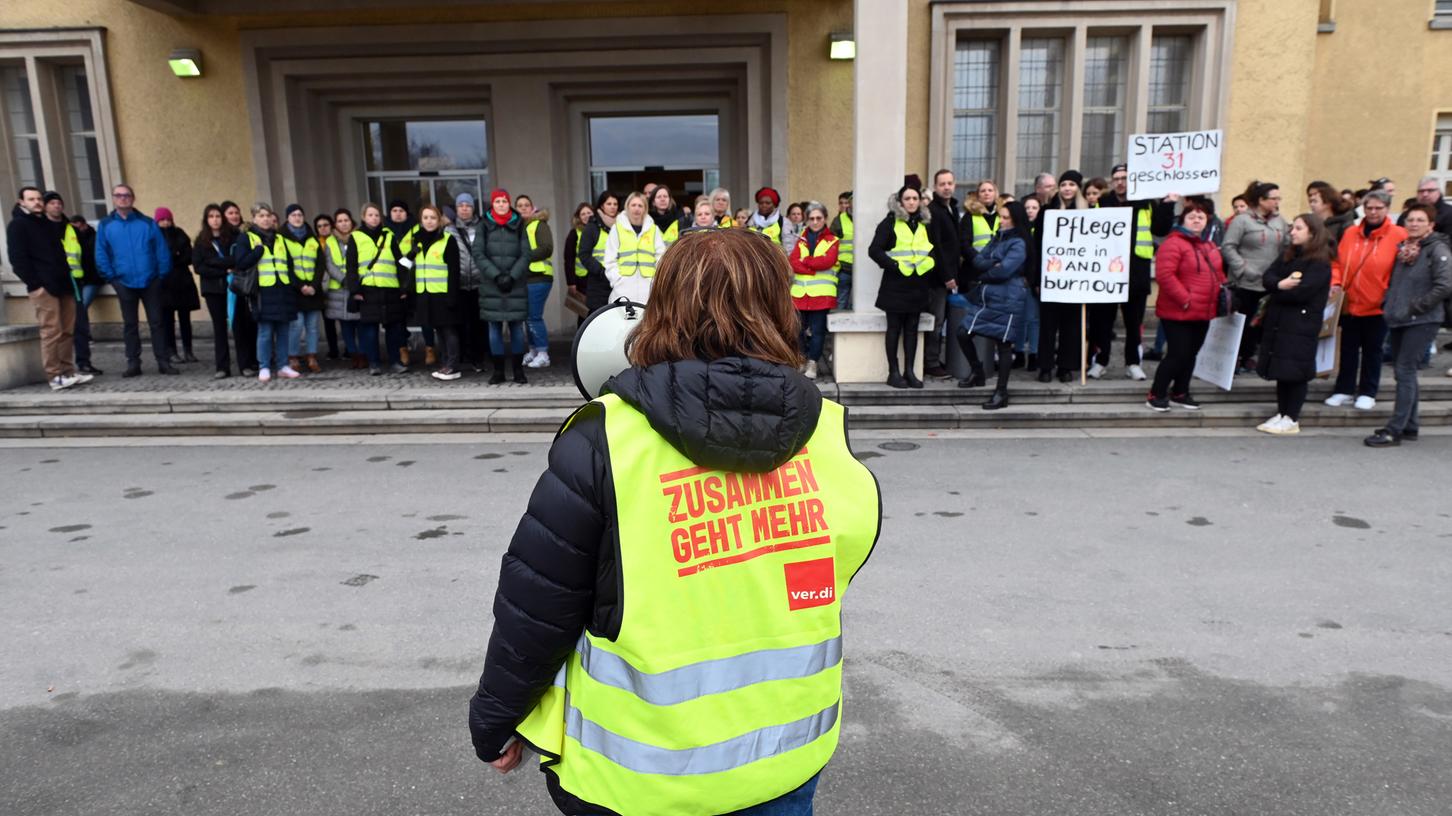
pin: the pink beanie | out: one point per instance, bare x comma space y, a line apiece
163, 214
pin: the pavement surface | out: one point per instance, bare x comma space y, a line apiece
1050, 624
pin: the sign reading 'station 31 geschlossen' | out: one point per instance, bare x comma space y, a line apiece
1086, 256
1165, 163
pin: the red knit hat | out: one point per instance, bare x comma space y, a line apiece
769, 193
499, 192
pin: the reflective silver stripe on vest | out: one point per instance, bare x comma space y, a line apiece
722, 756
708, 676
817, 282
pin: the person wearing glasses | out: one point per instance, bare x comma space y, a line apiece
1429, 194
1253, 242
134, 257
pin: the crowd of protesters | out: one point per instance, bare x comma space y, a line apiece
475, 277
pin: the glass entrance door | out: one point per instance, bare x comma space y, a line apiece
681, 151
426, 161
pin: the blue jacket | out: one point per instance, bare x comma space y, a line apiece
998, 303
131, 251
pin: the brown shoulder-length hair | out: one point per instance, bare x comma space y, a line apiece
1318, 246
719, 293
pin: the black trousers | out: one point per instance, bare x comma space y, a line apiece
1101, 328
244, 333
473, 332
217, 310
172, 319
1290, 397
1247, 302
130, 301
1059, 336
1183, 341
902, 325
447, 340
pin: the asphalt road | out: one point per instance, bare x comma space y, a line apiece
1049, 626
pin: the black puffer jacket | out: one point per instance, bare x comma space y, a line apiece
1292, 324
561, 573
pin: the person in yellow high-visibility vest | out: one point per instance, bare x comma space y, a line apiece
845, 230
540, 280
814, 282
767, 218
632, 252
903, 247
666, 214
436, 265
721, 206
274, 298
1151, 220
661, 653
591, 251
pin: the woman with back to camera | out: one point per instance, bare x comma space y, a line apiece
1190, 272
591, 251
1297, 284
587, 664
902, 247
996, 307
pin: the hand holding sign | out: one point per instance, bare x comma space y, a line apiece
1164, 164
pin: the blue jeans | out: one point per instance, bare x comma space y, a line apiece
395, 336
309, 322
539, 336
272, 343
83, 324
350, 336
1031, 326
815, 321
844, 287
796, 803
496, 337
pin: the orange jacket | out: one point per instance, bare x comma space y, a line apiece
1363, 266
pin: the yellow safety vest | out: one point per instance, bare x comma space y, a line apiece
723, 689
913, 250
405, 244
772, 230
822, 284
726, 222
376, 265
1144, 240
637, 252
982, 233
304, 256
546, 266
671, 234
273, 265
340, 259
71, 243
431, 275
844, 240
580, 270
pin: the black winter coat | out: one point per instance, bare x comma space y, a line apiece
33, 243
501, 254
947, 241
899, 292
1289, 332
90, 276
561, 574
597, 285
434, 308
178, 290
213, 260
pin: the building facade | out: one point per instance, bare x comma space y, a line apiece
333, 103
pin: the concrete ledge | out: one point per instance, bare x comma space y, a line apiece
20, 362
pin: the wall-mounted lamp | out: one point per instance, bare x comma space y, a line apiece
844, 47
186, 62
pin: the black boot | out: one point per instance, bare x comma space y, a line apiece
498, 376
977, 378
517, 362
998, 400
894, 375
912, 379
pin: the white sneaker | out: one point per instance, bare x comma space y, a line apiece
811, 371
63, 381
529, 357
1338, 400
263, 375
1096, 371
1365, 403
287, 373
82, 379
1270, 425
1136, 373
541, 360
1288, 427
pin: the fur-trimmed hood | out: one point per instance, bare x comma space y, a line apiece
895, 207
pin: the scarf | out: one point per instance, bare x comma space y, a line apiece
501, 220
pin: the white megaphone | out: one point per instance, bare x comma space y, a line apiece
598, 352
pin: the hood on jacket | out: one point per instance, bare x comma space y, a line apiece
894, 206
540, 215
736, 413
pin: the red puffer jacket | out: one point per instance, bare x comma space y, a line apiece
1190, 272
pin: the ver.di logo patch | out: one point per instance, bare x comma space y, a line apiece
811, 583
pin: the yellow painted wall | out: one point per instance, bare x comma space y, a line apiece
819, 104
1381, 79
919, 56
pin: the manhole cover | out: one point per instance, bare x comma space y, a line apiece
899, 446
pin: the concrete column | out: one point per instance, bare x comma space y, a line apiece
879, 118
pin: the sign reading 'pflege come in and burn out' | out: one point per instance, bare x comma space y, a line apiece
718, 519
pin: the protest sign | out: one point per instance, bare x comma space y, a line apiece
1328, 356
1216, 362
1165, 163
1086, 256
